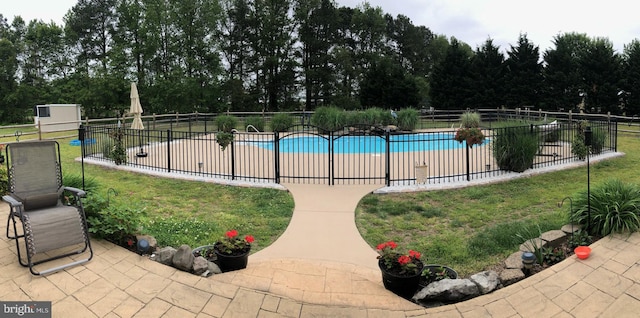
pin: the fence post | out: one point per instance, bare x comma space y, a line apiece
233, 159
276, 153
387, 154
169, 150
331, 161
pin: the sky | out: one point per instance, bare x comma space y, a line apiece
470, 21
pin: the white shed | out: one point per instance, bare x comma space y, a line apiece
58, 117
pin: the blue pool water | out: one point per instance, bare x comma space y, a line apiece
367, 144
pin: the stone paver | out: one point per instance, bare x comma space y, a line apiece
117, 283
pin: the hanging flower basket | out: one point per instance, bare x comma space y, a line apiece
472, 136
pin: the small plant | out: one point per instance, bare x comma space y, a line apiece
232, 244
553, 256
532, 243
117, 151
615, 208
402, 264
224, 139
329, 119
578, 148
470, 120
434, 275
580, 238
115, 223
256, 121
407, 119
226, 123
281, 122
515, 148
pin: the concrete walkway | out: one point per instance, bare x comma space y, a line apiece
320, 267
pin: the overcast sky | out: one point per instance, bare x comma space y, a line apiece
471, 21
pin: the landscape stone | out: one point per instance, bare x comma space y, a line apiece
486, 281
200, 265
165, 255
449, 290
571, 228
183, 258
554, 238
514, 260
529, 244
510, 276
214, 268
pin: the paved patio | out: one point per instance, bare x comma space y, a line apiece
277, 283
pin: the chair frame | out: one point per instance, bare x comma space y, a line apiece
17, 214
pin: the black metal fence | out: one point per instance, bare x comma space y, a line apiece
353, 155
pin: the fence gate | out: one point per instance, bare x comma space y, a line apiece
352, 155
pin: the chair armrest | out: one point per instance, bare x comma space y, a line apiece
11, 200
76, 191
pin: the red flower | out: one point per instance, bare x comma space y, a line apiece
404, 260
392, 244
249, 238
414, 254
231, 234
381, 246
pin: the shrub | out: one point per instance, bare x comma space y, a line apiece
578, 148
115, 149
281, 122
598, 140
515, 148
115, 223
75, 181
470, 119
408, 119
255, 121
226, 123
614, 208
4, 181
328, 118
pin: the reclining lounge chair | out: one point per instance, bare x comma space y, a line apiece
51, 230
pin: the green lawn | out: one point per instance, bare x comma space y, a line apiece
474, 228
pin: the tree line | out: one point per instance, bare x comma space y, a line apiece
283, 55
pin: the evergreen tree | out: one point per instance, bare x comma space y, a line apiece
523, 83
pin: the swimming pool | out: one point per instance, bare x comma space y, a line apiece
367, 144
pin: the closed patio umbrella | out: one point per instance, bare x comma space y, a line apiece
136, 110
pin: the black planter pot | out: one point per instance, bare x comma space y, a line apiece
401, 285
435, 273
230, 263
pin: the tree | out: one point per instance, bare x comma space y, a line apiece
317, 32
523, 83
631, 78
450, 84
562, 78
8, 67
600, 69
386, 85
487, 76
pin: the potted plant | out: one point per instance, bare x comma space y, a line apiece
400, 272
470, 135
433, 273
232, 251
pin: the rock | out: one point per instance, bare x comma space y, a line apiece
200, 265
153, 243
449, 290
514, 260
486, 281
510, 276
214, 268
571, 228
183, 259
554, 238
165, 255
529, 245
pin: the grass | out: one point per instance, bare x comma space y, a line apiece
189, 212
474, 228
